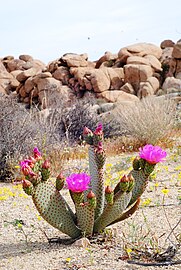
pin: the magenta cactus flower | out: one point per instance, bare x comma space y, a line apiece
152, 154
25, 168
78, 182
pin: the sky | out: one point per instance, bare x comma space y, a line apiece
47, 29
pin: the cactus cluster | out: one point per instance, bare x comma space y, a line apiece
96, 206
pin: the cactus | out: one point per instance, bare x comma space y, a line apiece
96, 207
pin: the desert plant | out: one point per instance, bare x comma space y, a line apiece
20, 129
150, 120
96, 206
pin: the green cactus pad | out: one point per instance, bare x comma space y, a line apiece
54, 209
85, 219
97, 182
140, 183
128, 212
113, 212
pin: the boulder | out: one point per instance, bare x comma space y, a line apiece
138, 60
116, 76
128, 88
167, 43
29, 85
154, 82
171, 82
145, 90
62, 74
153, 62
47, 83
107, 59
117, 95
177, 50
7, 81
15, 64
134, 74
26, 57
100, 80
75, 60
178, 67
24, 75
139, 49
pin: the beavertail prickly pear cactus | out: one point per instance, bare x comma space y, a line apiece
96, 206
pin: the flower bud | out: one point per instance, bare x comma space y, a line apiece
109, 195
60, 180
99, 130
136, 163
87, 131
108, 190
131, 183
88, 135
27, 187
124, 183
46, 164
90, 195
26, 183
91, 199
37, 154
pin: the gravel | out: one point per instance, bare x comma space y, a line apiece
24, 234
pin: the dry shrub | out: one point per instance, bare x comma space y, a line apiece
84, 113
149, 121
21, 130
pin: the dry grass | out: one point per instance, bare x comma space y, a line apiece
149, 121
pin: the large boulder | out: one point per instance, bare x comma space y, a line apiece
153, 62
139, 49
171, 83
8, 82
62, 74
177, 50
128, 88
116, 76
134, 74
24, 75
167, 43
75, 60
117, 95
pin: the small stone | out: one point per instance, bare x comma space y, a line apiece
83, 242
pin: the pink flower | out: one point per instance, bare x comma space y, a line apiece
78, 182
37, 154
26, 169
29, 162
152, 154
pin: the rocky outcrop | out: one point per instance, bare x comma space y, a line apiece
136, 71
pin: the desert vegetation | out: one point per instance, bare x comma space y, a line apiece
58, 135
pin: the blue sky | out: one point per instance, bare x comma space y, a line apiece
47, 29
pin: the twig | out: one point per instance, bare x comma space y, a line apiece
161, 205
155, 264
173, 229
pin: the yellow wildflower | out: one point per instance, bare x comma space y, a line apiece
165, 191
146, 202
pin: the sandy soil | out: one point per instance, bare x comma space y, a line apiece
153, 227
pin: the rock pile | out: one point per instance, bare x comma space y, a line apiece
134, 72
